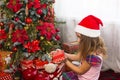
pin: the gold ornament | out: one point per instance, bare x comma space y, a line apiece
9, 36
41, 38
49, 42
26, 27
8, 44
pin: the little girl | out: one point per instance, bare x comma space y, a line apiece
91, 49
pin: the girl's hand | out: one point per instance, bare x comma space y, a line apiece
58, 56
66, 55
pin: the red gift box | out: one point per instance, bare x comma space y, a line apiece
58, 56
27, 64
70, 47
5, 76
39, 64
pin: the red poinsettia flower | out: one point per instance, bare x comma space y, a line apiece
3, 34
36, 4
19, 36
43, 6
14, 5
32, 46
47, 30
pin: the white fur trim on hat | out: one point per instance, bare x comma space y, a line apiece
87, 32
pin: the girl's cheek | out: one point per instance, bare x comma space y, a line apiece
78, 39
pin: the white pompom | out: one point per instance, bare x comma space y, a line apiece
55, 79
50, 67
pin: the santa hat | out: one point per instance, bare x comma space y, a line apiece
89, 26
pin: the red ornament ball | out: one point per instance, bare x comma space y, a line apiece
14, 49
57, 37
57, 30
39, 11
16, 19
28, 20
1, 24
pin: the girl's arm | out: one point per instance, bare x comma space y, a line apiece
83, 68
73, 57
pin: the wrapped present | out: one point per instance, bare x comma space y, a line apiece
5, 76
4, 59
58, 56
70, 47
39, 64
26, 64
29, 73
42, 76
34, 74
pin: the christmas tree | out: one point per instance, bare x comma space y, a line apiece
28, 30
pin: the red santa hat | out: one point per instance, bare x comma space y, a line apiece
89, 26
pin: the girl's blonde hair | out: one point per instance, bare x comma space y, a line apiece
90, 45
